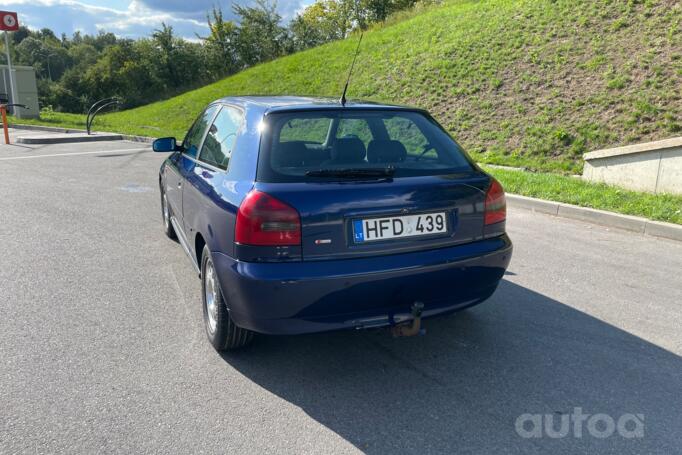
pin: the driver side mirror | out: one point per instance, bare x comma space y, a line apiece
165, 144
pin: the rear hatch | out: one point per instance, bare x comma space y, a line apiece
370, 181
368, 218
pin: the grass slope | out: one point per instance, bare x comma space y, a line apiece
519, 82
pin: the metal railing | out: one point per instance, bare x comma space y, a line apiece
96, 108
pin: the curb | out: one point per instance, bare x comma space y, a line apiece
626, 222
54, 129
69, 138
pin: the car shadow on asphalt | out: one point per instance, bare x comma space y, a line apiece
462, 387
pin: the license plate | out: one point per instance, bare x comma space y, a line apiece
393, 227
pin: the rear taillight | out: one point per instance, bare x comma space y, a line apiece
495, 204
266, 221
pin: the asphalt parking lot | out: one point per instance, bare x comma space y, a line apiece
103, 348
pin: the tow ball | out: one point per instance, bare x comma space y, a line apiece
412, 328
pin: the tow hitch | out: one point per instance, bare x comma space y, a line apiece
409, 329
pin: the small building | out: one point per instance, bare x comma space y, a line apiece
26, 89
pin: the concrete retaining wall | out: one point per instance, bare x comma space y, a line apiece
655, 167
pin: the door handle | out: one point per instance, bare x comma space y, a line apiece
179, 184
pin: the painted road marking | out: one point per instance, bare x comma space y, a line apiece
72, 154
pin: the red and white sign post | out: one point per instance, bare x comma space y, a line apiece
8, 23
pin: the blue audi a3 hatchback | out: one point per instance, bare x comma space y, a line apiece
305, 215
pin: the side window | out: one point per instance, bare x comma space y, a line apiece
196, 133
403, 129
219, 142
354, 127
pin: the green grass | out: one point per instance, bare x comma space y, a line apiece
572, 190
531, 83
58, 119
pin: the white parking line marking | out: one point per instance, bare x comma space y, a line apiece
70, 154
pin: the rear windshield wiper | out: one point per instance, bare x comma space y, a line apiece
353, 173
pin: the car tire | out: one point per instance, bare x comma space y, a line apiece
222, 332
166, 216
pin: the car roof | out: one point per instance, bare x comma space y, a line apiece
289, 103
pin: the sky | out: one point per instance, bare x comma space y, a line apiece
129, 18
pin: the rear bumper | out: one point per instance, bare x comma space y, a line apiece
316, 296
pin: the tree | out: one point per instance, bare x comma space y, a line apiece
125, 72
260, 36
220, 44
321, 22
166, 44
20, 35
48, 58
101, 41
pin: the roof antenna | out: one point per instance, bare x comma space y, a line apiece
350, 72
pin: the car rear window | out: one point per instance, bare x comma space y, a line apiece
297, 145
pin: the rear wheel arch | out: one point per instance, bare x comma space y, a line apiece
221, 330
